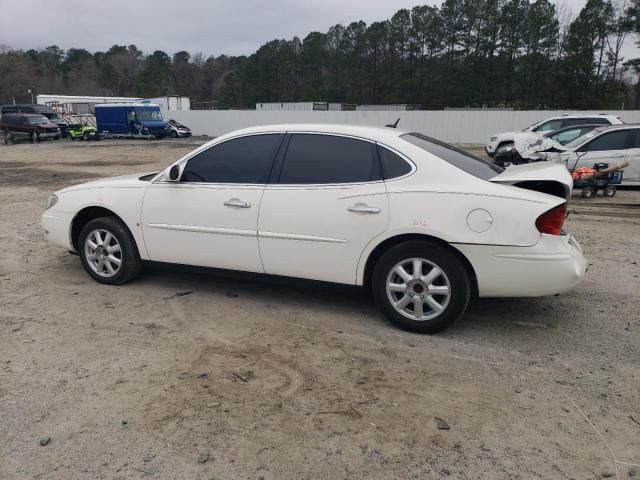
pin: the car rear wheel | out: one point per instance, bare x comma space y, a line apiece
421, 286
108, 251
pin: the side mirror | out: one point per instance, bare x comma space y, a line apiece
174, 173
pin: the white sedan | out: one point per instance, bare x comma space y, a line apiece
423, 225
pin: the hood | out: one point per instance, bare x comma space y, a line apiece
124, 181
529, 144
545, 177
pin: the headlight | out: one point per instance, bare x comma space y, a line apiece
53, 199
493, 139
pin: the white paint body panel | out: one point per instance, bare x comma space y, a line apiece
308, 231
190, 224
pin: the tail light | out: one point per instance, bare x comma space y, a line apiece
551, 222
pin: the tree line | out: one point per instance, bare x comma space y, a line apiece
464, 53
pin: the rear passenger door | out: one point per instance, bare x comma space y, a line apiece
324, 203
609, 147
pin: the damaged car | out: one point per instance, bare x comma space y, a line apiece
424, 226
551, 124
527, 145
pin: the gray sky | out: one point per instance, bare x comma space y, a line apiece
212, 27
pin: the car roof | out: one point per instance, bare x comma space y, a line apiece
363, 131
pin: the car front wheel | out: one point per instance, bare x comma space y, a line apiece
108, 251
421, 286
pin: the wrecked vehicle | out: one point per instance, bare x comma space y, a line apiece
527, 146
551, 124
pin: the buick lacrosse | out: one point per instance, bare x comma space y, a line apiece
423, 225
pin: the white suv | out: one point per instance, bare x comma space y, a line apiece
549, 124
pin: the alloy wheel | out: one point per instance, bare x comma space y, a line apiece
418, 289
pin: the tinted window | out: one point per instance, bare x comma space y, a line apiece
393, 165
459, 158
27, 110
598, 121
635, 138
548, 126
240, 160
608, 141
328, 159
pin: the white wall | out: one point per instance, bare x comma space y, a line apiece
449, 126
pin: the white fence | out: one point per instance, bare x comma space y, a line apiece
449, 126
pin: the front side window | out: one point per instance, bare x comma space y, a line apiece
239, 160
458, 158
608, 141
328, 159
38, 120
148, 114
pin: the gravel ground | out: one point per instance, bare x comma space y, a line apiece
200, 375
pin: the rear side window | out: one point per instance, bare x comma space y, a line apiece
456, 157
598, 121
548, 126
239, 160
393, 165
616, 140
328, 159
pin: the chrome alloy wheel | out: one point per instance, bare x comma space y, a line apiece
418, 289
103, 253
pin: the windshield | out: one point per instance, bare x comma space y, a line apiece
458, 158
148, 114
36, 120
583, 138
54, 117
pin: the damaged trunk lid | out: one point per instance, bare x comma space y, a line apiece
544, 177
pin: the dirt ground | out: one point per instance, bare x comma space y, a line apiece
199, 375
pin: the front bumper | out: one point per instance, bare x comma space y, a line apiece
57, 228
554, 265
49, 134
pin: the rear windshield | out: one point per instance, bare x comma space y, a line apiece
458, 158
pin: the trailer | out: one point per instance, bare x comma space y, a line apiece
130, 120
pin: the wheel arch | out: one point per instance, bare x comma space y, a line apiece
85, 215
391, 242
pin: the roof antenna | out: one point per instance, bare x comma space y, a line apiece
394, 124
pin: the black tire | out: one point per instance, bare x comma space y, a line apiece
96, 137
130, 258
38, 137
86, 137
609, 191
587, 192
174, 134
31, 137
446, 261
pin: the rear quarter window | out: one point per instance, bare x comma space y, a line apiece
458, 158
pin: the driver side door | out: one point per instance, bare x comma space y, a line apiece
210, 217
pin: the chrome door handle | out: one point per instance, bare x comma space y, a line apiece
234, 202
363, 208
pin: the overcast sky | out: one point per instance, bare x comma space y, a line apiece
214, 27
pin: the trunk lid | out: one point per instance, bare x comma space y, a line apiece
545, 177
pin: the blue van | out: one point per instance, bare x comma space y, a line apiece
131, 119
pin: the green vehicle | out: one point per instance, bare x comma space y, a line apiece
81, 131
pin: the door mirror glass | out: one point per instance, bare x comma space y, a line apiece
174, 173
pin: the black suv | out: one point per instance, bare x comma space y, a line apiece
53, 116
